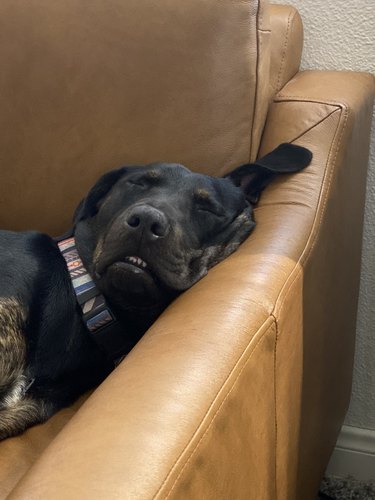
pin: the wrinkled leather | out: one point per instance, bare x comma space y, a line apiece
239, 389
89, 86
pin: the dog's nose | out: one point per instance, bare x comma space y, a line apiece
151, 221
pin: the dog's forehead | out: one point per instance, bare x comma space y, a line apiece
175, 173
168, 171
175, 177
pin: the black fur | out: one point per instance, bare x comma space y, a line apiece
180, 223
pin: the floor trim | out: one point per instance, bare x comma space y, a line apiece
354, 454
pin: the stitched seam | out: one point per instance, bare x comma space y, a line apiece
275, 400
281, 68
282, 306
220, 406
293, 140
218, 409
256, 83
281, 203
331, 174
315, 125
317, 222
286, 98
316, 226
298, 274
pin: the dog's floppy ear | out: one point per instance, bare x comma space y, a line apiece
88, 207
254, 177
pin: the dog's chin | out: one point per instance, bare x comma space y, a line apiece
127, 279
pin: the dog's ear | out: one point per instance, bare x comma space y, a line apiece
88, 207
254, 177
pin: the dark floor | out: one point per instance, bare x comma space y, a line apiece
347, 488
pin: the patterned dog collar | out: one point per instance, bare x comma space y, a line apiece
97, 316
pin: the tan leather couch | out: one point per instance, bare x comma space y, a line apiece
239, 390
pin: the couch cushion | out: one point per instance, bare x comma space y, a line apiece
88, 86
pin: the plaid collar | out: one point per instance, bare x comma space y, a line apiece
96, 314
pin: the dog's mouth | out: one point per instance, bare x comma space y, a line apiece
135, 262
130, 263
127, 274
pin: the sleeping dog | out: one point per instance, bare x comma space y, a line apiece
71, 307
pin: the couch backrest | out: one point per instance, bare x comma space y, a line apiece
86, 86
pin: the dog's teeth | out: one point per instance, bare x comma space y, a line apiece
136, 260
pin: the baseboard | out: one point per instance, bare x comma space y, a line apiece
354, 454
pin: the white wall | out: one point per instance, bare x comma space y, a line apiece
340, 34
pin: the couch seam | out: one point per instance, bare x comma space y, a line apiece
275, 400
291, 203
219, 408
281, 68
315, 125
296, 98
253, 116
277, 329
322, 211
305, 254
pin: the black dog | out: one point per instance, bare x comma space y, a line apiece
142, 236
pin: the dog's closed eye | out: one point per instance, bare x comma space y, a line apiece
139, 182
148, 179
204, 202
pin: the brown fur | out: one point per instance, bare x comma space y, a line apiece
202, 194
16, 411
24, 412
12, 342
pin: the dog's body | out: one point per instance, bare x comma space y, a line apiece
144, 234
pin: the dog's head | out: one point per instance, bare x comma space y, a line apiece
148, 233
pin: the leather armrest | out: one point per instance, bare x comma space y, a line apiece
239, 389
180, 399
330, 113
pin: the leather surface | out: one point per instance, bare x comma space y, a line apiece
89, 86
173, 420
286, 45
